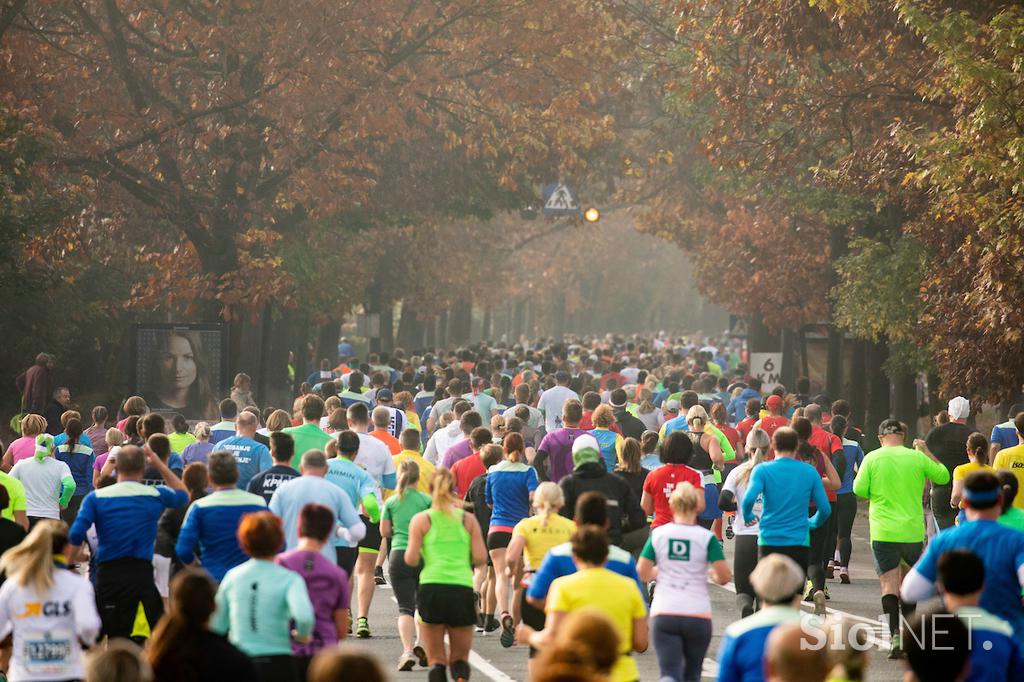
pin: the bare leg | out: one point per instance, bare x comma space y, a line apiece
501, 580
364, 572
433, 642
407, 631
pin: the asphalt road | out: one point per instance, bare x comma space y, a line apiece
490, 661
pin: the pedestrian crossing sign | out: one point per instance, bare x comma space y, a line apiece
559, 200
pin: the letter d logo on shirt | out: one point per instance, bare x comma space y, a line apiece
679, 550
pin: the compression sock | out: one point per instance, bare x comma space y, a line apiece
460, 670
907, 609
891, 608
437, 673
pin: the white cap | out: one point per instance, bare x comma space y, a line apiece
959, 408
585, 441
672, 405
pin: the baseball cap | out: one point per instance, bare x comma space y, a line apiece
672, 405
774, 402
585, 449
959, 408
385, 394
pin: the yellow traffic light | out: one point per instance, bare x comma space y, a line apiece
591, 215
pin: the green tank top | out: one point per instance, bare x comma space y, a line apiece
447, 551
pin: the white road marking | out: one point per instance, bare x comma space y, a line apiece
485, 667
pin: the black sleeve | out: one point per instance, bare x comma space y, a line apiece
839, 462
635, 517
569, 493
540, 464
727, 501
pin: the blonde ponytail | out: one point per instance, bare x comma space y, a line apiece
442, 490
697, 417
548, 498
408, 476
30, 564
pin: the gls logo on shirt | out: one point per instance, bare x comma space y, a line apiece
679, 550
34, 609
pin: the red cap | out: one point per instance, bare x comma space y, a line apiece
774, 402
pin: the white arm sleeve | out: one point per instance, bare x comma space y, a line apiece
916, 587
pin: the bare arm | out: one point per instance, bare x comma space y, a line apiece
719, 572
957, 494
417, 529
646, 569
8, 461
641, 636
21, 518
715, 451
478, 546
341, 623
647, 503
514, 555
385, 528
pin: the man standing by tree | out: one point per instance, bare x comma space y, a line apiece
34, 384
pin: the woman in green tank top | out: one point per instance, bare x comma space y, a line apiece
450, 544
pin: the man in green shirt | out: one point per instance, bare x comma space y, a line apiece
309, 436
893, 479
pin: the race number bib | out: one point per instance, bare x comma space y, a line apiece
47, 653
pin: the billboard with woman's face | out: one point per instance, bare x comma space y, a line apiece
181, 368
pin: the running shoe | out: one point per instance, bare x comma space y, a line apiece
819, 602
407, 662
421, 655
481, 622
808, 591
378, 576
825, 590
362, 628
492, 623
895, 647
650, 590
508, 630
830, 570
729, 532
844, 575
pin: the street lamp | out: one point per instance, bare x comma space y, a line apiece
591, 215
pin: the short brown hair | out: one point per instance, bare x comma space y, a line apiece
68, 416
160, 446
603, 417
131, 459
345, 663
223, 467
572, 412
338, 419
261, 534
316, 521
312, 407
590, 544
410, 439
152, 423
480, 437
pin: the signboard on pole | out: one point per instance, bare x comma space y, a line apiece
768, 368
559, 200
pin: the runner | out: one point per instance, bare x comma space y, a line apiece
995, 653
554, 454
48, 482
1000, 548
282, 452
609, 441
779, 583
948, 443
80, 458
552, 401
624, 509
450, 544
532, 539
746, 531
679, 556
675, 455
360, 488
399, 511
259, 603
225, 428
309, 436
49, 610
327, 585
786, 487
593, 586
977, 460
892, 478
211, 523
841, 545
509, 490
410, 442
125, 515
252, 457
182, 646
1012, 458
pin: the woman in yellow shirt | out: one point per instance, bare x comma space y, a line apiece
977, 453
534, 536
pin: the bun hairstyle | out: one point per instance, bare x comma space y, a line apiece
977, 447
408, 476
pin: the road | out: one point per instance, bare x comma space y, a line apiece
490, 661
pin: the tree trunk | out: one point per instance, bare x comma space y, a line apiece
858, 395
518, 325
531, 313
789, 371
410, 329
442, 329
904, 405
486, 328
461, 322
387, 327
327, 342
556, 325
431, 334
878, 406
300, 350
834, 368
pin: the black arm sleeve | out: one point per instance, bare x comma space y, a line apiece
727, 501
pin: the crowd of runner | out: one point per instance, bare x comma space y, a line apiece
574, 498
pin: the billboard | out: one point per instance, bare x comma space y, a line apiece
181, 367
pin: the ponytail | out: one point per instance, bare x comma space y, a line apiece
74, 433
30, 564
548, 499
408, 476
442, 490
174, 639
977, 445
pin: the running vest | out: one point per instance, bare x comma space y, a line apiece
446, 551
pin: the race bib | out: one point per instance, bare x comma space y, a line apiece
47, 652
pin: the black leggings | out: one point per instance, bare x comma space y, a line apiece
816, 558
845, 511
405, 580
744, 560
